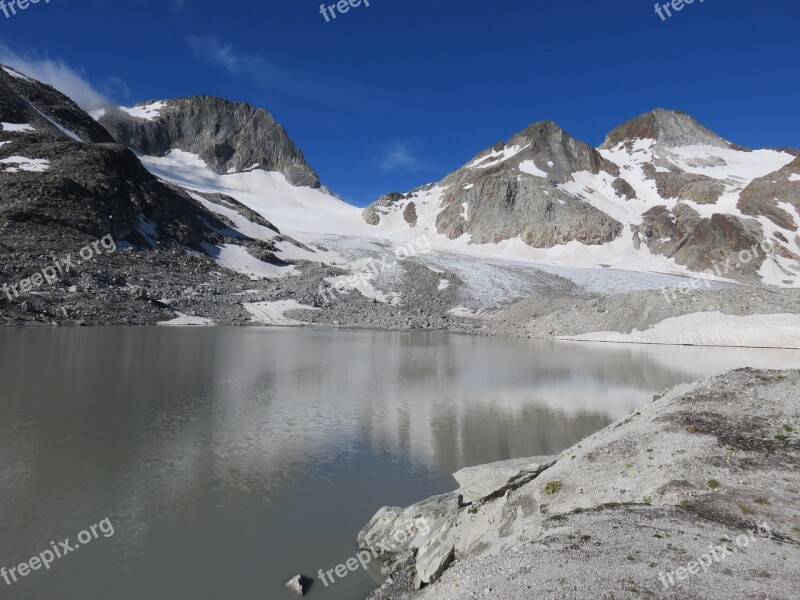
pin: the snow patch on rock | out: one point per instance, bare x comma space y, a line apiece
272, 313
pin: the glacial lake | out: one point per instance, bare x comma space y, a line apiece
230, 459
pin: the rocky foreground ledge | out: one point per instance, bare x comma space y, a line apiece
696, 495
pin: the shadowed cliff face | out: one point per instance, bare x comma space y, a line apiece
228, 136
765, 195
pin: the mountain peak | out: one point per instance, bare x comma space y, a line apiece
669, 129
540, 131
229, 136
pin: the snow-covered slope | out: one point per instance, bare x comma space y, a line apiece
296, 217
311, 215
291, 208
712, 329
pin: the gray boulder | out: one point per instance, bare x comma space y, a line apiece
296, 585
395, 530
436, 555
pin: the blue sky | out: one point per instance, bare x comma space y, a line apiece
398, 94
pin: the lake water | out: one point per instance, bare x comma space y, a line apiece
229, 460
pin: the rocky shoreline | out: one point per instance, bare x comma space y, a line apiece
693, 494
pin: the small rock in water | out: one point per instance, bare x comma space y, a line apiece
295, 585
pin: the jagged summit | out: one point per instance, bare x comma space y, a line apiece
669, 128
541, 128
228, 136
544, 138
543, 149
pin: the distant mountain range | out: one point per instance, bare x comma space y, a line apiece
202, 186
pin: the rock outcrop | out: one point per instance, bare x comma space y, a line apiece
712, 464
485, 481
775, 196
706, 244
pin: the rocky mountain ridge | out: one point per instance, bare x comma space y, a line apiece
662, 184
48, 112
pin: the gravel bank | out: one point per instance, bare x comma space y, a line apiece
636, 310
431, 292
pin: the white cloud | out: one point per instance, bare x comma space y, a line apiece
398, 157
214, 51
58, 74
280, 80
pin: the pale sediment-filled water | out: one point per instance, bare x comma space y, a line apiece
230, 459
